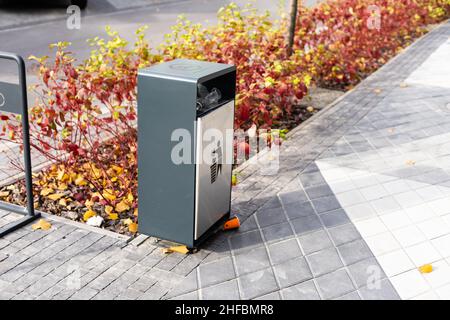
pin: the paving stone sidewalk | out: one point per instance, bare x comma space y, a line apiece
361, 199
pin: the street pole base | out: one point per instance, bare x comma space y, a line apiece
18, 224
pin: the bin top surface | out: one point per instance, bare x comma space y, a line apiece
185, 69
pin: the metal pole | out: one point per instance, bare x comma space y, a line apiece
26, 136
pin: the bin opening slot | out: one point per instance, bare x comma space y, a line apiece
215, 92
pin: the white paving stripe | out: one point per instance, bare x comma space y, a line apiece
435, 70
402, 238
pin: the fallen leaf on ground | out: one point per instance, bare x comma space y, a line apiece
133, 227
403, 85
377, 91
122, 206
4, 194
89, 203
79, 181
63, 202
108, 209
113, 216
427, 268
41, 224
179, 249
108, 195
410, 162
127, 222
130, 198
234, 180
117, 169
89, 214
62, 187
46, 191
61, 173
55, 196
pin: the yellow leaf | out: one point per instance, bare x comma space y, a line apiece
117, 169
62, 186
234, 180
88, 214
127, 222
52, 186
108, 209
130, 198
377, 91
63, 202
72, 177
113, 216
307, 80
122, 206
46, 191
179, 249
133, 227
4, 194
96, 173
136, 212
427, 268
55, 196
410, 162
65, 178
41, 224
96, 194
61, 174
53, 168
79, 181
109, 195
89, 203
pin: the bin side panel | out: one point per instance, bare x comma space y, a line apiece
166, 190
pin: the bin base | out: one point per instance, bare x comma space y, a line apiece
194, 247
218, 226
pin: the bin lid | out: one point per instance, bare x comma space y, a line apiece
189, 70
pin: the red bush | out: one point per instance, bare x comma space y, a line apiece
346, 40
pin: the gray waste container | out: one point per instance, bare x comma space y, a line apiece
184, 174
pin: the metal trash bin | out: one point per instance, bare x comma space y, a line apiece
183, 197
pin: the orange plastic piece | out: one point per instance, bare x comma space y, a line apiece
233, 223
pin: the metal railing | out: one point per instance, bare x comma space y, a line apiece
28, 211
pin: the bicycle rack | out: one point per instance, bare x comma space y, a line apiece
21, 92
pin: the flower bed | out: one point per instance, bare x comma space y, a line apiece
85, 117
